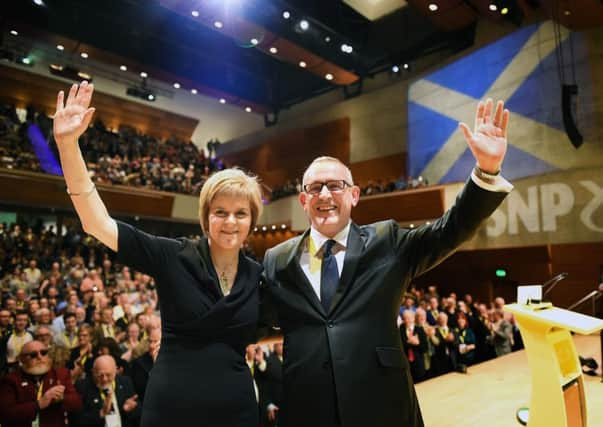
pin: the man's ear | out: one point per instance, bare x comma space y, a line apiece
303, 198
355, 195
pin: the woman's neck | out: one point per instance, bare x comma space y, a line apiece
223, 259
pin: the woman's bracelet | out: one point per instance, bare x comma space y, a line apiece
83, 193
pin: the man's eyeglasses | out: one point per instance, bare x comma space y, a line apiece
335, 186
34, 354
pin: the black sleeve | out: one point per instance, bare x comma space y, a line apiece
424, 247
142, 251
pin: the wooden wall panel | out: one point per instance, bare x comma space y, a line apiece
22, 88
287, 155
412, 205
388, 167
34, 189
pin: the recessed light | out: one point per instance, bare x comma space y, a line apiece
302, 64
60, 47
329, 76
14, 32
264, 228
406, 66
433, 7
248, 109
273, 50
177, 85
123, 68
567, 12
412, 226
151, 97
194, 91
395, 69
222, 101
346, 48
38, 2
283, 226
493, 7
286, 14
144, 75
327, 39
195, 13
218, 24
304, 25
504, 10
273, 227
26, 60
84, 55
254, 41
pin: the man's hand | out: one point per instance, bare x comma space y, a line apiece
53, 394
272, 412
259, 355
73, 117
488, 141
131, 403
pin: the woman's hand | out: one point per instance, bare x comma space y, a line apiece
73, 117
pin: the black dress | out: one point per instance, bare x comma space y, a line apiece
200, 377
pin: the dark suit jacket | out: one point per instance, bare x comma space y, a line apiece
346, 366
141, 368
93, 402
18, 395
271, 383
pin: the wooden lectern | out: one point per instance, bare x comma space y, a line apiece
557, 384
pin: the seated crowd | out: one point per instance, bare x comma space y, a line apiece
125, 157
79, 334
129, 158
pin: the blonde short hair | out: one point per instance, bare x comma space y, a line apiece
230, 182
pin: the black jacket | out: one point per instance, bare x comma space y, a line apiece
346, 366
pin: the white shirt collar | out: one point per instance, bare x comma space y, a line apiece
319, 239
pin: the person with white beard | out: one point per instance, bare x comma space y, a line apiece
37, 394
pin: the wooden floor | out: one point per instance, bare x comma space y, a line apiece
490, 393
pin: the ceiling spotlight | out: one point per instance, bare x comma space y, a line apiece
412, 226
433, 7
84, 55
346, 48
565, 12
218, 24
194, 91
222, 101
26, 60
286, 14
254, 41
327, 39
255, 229
60, 47
273, 227
264, 228
144, 75
177, 85
14, 32
38, 2
248, 109
493, 7
329, 76
302, 64
273, 50
123, 68
395, 69
195, 13
405, 65
304, 25
504, 10
151, 97
283, 226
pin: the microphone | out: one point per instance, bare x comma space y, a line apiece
551, 283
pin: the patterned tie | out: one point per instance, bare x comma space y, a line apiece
329, 275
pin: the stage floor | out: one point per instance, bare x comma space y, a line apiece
490, 393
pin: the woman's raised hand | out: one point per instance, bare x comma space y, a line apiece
73, 116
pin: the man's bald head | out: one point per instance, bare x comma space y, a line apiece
104, 371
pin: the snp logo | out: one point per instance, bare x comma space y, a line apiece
539, 209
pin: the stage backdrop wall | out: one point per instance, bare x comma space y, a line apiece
522, 68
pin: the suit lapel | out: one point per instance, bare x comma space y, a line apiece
297, 275
353, 252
